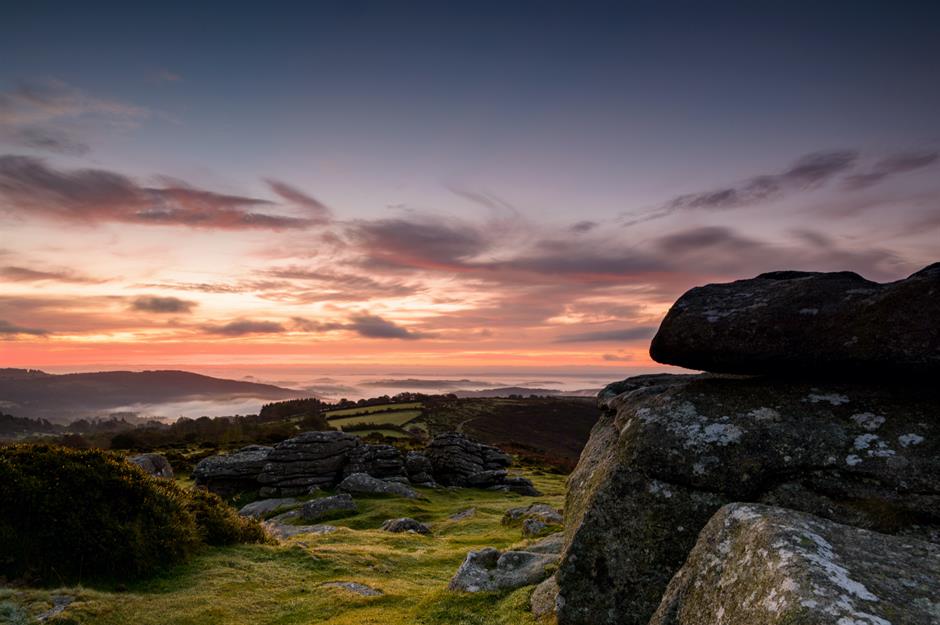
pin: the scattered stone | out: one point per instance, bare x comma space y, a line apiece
308, 459
760, 564
521, 486
540, 511
263, 507
155, 464
284, 530
405, 525
533, 527
489, 570
669, 451
463, 514
59, 603
356, 587
365, 484
336, 505
542, 601
553, 543
228, 475
794, 322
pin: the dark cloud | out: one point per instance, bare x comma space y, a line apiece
30, 187
807, 172
375, 327
155, 304
243, 327
704, 237
483, 198
617, 357
896, 164
582, 226
628, 334
318, 211
9, 329
50, 140
428, 243
25, 274
331, 285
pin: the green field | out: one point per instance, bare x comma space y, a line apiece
348, 412
394, 417
281, 584
388, 433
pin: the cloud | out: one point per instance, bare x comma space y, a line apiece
617, 357
808, 171
421, 243
374, 327
30, 187
627, 334
582, 226
25, 274
483, 198
318, 211
330, 285
9, 329
165, 75
242, 327
155, 304
50, 139
900, 163
38, 101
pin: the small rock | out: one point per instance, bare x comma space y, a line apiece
59, 603
540, 511
405, 525
463, 514
283, 530
542, 601
552, 543
262, 507
154, 464
533, 527
363, 483
489, 570
356, 587
337, 505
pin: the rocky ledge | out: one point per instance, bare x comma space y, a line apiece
760, 564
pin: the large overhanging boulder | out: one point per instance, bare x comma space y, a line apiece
798, 323
669, 451
760, 564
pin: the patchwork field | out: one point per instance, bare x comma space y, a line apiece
283, 584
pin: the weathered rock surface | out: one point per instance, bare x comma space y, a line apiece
308, 459
794, 322
669, 451
354, 587
533, 527
542, 600
760, 564
419, 469
365, 484
553, 543
458, 461
285, 530
262, 507
336, 505
232, 473
489, 570
381, 461
154, 464
541, 511
463, 515
405, 525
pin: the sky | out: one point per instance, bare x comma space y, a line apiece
442, 186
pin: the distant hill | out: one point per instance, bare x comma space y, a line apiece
506, 391
32, 393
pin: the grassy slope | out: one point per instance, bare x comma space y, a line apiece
348, 412
279, 585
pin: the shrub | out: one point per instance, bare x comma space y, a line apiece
71, 515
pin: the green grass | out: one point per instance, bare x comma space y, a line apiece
280, 584
389, 433
392, 417
348, 412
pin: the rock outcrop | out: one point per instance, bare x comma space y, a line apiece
458, 461
792, 322
154, 464
232, 473
539, 511
263, 507
489, 570
365, 484
380, 461
405, 524
419, 469
669, 451
308, 459
759, 564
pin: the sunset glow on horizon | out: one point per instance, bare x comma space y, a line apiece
343, 190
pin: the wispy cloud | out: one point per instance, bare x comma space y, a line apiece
244, 327
162, 305
900, 163
15, 273
10, 329
375, 327
600, 336
317, 211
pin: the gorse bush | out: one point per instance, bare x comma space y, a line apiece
72, 515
